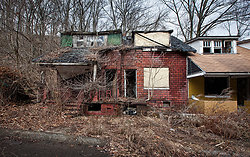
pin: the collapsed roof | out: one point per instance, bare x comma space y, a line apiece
77, 55
64, 55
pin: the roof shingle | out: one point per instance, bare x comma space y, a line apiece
225, 63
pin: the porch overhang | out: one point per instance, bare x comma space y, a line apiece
220, 74
227, 74
196, 74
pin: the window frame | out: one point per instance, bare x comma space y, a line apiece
216, 95
218, 46
207, 44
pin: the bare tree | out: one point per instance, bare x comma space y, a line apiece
240, 18
196, 18
133, 15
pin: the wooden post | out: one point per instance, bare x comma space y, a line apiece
94, 72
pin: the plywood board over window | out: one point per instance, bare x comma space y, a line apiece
156, 78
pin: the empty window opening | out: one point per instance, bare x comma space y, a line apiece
94, 107
79, 43
206, 50
217, 50
206, 47
216, 85
130, 83
111, 81
166, 104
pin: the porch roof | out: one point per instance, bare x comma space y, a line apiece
222, 64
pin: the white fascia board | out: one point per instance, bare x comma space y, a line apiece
196, 74
226, 74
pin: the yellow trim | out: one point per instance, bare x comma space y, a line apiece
196, 86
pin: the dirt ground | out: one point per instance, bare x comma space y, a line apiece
161, 133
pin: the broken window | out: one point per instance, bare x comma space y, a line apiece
215, 85
111, 81
130, 83
156, 78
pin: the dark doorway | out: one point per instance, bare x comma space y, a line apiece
111, 81
130, 83
228, 46
241, 91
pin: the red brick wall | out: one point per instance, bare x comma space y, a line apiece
137, 59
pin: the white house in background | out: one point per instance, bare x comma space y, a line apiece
214, 44
244, 43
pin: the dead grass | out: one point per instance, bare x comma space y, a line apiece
170, 134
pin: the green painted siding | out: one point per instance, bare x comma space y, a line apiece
66, 41
114, 39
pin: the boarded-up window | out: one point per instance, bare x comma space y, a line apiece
156, 77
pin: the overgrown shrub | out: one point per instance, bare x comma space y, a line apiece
12, 86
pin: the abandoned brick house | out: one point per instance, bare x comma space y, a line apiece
100, 72
219, 74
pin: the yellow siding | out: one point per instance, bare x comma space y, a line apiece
196, 86
233, 85
213, 107
218, 107
247, 105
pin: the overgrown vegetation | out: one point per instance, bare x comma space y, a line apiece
161, 133
12, 87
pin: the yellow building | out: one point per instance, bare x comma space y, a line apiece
219, 82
